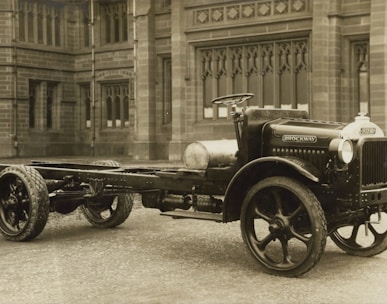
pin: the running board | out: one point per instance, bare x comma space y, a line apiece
194, 215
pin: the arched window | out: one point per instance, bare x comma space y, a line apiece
40, 22
114, 22
117, 105
275, 71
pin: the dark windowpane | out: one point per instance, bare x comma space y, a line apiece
22, 34
49, 106
167, 91
87, 106
30, 27
40, 28
109, 112
57, 31
107, 29
124, 27
32, 107
126, 111
86, 32
116, 29
117, 110
49, 30
49, 112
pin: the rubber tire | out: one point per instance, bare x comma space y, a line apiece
374, 249
315, 214
118, 216
107, 163
39, 203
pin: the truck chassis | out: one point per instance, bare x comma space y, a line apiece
286, 209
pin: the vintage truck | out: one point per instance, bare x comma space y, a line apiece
289, 180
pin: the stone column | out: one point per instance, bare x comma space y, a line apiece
325, 61
378, 63
8, 101
179, 70
145, 80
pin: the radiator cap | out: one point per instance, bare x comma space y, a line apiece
361, 127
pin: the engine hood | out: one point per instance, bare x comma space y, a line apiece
319, 133
303, 132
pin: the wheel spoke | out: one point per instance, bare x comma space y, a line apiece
278, 201
299, 236
295, 212
285, 251
261, 244
378, 236
352, 239
261, 214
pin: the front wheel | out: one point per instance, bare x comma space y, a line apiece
363, 238
24, 203
283, 226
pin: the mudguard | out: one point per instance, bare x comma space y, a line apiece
256, 170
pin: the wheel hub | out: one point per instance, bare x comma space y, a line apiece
11, 201
279, 225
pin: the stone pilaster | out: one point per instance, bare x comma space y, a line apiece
145, 80
378, 63
179, 70
325, 88
8, 127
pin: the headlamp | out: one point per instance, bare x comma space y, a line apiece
344, 149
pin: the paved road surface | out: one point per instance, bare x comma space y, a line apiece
155, 259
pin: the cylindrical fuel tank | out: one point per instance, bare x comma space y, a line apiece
212, 153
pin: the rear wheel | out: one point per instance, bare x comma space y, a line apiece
363, 238
283, 226
24, 203
107, 163
108, 211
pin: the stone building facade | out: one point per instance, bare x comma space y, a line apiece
136, 77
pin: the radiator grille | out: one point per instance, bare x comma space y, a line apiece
374, 162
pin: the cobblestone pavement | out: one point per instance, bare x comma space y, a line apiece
156, 259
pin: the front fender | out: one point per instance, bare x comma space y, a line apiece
254, 171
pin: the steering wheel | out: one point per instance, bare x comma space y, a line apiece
234, 99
